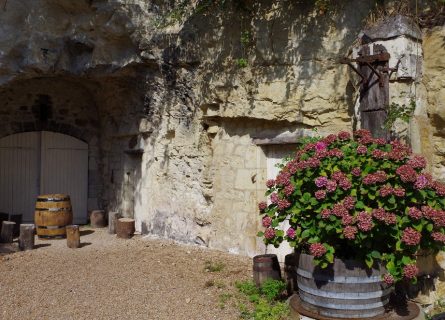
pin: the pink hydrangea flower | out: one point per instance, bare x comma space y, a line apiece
362, 149
415, 213
407, 173
320, 145
411, 237
364, 221
385, 191
339, 210
438, 236
274, 198
378, 154
349, 232
289, 189
262, 205
270, 183
388, 279
417, 162
291, 233
356, 171
317, 249
344, 135
321, 182
267, 221
331, 186
410, 271
326, 213
283, 204
320, 194
347, 220
399, 192
349, 202
421, 182
269, 233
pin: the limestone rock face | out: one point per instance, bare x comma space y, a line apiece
434, 82
174, 109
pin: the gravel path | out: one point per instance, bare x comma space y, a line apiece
111, 278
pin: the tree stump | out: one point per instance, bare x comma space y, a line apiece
112, 221
125, 228
7, 233
26, 237
98, 219
73, 236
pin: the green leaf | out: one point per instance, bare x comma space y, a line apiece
329, 257
406, 260
360, 205
260, 234
392, 200
376, 254
306, 233
429, 227
369, 262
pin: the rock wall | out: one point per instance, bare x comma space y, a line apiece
182, 109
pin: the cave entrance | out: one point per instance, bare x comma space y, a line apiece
42, 162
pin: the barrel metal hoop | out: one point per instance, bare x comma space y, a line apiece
53, 209
53, 199
338, 279
51, 227
368, 306
345, 295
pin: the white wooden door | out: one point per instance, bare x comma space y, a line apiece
34, 163
275, 155
19, 174
64, 169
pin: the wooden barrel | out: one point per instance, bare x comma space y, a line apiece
52, 214
290, 273
346, 289
265, 267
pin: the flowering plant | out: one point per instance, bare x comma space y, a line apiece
356, 197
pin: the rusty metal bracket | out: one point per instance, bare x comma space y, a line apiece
349, 63
368, 60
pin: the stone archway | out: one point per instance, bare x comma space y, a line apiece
56, 104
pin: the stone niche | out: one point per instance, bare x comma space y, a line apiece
62, 105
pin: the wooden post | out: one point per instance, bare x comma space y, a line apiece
125, 228
26, 237
97, 219
73, 236
7, 233
112, 221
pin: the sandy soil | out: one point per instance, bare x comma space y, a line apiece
111, 278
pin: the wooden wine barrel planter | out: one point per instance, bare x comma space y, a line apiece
346, 289
265, 267
52, 214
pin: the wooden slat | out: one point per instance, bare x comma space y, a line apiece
65, 170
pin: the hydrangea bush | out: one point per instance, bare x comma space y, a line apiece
356, 197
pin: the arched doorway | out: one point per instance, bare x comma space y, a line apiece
41, 162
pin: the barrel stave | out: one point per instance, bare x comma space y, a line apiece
346, 289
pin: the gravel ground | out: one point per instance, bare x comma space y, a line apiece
111, 278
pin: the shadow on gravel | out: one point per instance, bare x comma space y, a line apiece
86, 232
42, 245
84, 244
7, 248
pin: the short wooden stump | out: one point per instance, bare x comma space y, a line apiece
125, 228
98, 219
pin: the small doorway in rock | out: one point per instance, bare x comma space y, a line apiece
132, 196
275, 154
